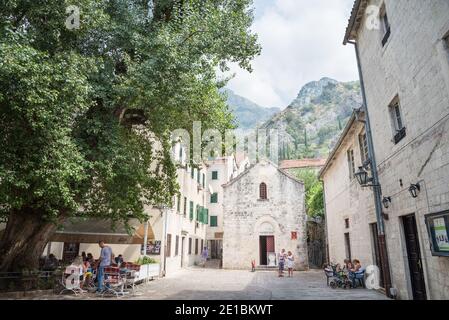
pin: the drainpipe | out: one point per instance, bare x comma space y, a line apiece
164, 215
326, 240
145, 238
376, 185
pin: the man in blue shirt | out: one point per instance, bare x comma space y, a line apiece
104, 261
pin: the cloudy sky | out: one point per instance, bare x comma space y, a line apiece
301, 42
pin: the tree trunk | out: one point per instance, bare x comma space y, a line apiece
24, 240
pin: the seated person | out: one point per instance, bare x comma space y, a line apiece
348, 265
90, 259
87, 271
51, 263
119, 260
356, 267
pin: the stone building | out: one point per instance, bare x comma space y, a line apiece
181, 230
405, 67
221, 171
350, 213
264, 212
174, 235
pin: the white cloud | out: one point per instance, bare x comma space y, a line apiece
301, 42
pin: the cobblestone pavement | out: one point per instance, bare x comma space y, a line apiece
206, 284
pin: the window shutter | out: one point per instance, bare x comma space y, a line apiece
206, 218
191, 210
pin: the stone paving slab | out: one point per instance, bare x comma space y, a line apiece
215, 284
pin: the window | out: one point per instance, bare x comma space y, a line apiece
386, 28
176, 245
198, 176
196, 246
214, 198
214, 221
178, 208
185, 206
204, 180
347, 223
348, 246
191, 211
397, 121
351, 164
180, 153
202, 245
363, 147
192, 174
190, 245
263, 191
168, 245
214, 175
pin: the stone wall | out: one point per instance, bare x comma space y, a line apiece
346, 200
246, 217
412, 65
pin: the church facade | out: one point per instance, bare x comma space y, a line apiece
264, 212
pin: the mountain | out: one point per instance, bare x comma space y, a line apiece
310, 126
248, 114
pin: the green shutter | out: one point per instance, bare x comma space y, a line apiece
191, 210
213, 221
214, 175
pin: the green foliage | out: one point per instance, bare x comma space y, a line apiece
145, 260
314, 191
65, 149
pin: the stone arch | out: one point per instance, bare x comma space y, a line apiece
266, 225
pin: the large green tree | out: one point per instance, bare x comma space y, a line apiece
81, 108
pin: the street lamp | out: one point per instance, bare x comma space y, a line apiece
362, 176
415, 190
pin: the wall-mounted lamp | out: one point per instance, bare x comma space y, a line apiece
414, 190
362, 176
386, 202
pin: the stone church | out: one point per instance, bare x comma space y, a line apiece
264, 212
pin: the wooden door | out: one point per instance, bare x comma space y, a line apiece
376, 244
414, 258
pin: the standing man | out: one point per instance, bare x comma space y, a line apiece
104, 261
204, 256
282, 256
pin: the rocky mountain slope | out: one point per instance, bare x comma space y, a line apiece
312, 123
248, 114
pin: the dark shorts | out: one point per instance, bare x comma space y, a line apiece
281, 265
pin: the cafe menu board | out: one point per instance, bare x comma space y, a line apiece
438, 228
153, 248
